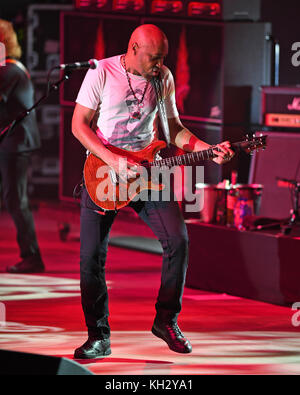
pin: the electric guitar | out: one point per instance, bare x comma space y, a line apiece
110, 192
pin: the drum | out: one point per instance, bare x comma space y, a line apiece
213, 207
243, 201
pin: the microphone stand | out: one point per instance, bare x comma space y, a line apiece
286, 225
53, 87
294, 219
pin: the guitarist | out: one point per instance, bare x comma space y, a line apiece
16, 95
121, 88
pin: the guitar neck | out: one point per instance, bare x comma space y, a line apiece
189, 158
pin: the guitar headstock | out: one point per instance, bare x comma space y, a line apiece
252, 143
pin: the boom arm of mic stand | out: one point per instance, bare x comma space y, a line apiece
53, 87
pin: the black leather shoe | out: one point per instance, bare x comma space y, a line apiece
173, 336
93, 348
33, 264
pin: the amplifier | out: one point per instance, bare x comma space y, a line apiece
282, 120
118, 6
226, 10
201, 9
280, 106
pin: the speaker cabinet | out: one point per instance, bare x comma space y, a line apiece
86, 36
72, 157
20, 363
280, 106
280, 159
44, 175
207, 58
42, 37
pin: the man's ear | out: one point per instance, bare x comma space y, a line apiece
134, 47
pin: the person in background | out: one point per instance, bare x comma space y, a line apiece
16, 146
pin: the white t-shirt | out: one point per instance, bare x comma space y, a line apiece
107, 86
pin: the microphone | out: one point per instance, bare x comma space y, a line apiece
90, 64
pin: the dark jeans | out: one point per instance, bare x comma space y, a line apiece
166, 221
13, 174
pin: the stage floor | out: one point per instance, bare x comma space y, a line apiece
42, 313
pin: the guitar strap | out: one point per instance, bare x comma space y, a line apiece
158, 87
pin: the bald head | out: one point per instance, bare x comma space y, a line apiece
148, 36
147, 48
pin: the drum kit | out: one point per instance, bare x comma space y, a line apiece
229, 205
237, 206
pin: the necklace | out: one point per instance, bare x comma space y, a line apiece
136, 113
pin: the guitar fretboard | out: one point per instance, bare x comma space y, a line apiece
185, 159
194, 157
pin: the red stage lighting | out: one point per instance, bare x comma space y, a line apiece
126, 5
90, 3
196, 8
159, 6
